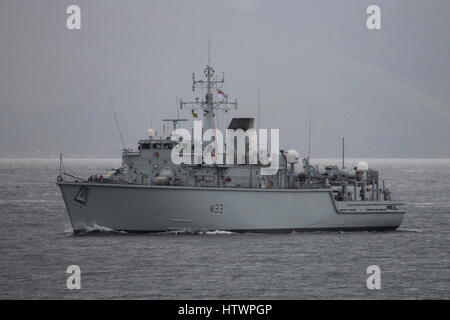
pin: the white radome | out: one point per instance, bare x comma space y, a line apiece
151, 132
292, 156
362, 166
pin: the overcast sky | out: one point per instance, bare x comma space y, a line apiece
386, 91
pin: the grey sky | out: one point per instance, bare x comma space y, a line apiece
386, 91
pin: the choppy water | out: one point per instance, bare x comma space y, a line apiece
36, 246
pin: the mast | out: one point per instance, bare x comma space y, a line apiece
207, 104
209, 118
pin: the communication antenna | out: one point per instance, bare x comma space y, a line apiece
207, 104
343, 153
209, 52
176, 105
259, 109
309, 148
309, 136
117, 122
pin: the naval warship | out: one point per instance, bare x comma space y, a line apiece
152, 193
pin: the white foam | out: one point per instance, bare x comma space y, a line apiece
410, 230
96, 228
423, 204
219, 232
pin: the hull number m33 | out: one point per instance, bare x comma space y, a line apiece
216, 208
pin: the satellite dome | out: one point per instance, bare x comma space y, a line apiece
362, 166
151, 132
292, 156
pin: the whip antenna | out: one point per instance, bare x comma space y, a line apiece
309, 135
259, 108
117, 121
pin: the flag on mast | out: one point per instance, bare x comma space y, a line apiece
221, 93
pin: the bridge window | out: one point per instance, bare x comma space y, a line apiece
145, 145
157, 146
167, 146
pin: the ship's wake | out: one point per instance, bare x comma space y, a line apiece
95, 230
199, 232
410, 230
102, 230
219, 232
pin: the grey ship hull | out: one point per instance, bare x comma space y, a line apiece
137, 208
